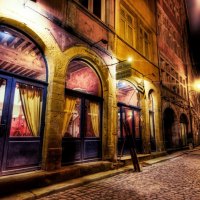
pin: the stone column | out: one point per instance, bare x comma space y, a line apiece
52, 147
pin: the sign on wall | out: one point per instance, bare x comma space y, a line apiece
123, 70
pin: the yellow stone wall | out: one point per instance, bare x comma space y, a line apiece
37, 26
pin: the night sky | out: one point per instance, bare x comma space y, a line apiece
194, 29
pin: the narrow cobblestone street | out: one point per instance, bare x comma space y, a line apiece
177, 179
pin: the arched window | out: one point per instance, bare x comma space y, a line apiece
151, 121
127, 93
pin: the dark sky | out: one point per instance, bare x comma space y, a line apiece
193, 7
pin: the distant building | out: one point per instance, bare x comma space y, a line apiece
177, 74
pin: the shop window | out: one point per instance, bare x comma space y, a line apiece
26, 115
151, 115
27, 61
82, 103
2, 92
72, 113
94, 6
127, 94
83, 78
92, 119
127, 27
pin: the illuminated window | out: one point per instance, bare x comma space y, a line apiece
151, 122
26, 113
127, 27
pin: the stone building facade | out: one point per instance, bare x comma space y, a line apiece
67, 84
177, 75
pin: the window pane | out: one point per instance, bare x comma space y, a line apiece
92, 119
122, 28
118, 124
72, 117
127, 116
127, 94
151, 123
27, 107
81, 77
97, 8
130, 35
84, 3
2, 95
129, 19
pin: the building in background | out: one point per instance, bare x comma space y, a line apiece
177, 75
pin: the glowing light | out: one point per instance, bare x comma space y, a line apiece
197, 85
130, 59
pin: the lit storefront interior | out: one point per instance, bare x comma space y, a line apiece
22, 101
128, 110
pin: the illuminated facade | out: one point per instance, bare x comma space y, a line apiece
65, 94
177, 75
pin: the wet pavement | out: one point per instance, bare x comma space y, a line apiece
174, 179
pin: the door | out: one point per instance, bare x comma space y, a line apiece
131, 115
21, 114
82, 128
124, 114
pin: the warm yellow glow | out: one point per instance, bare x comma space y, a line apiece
197, 85
130, 59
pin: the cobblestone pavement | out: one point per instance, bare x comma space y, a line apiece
175, 179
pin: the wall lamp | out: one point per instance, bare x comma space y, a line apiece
104, 41
129, 60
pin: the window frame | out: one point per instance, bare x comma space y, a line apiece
128, 25
90, 8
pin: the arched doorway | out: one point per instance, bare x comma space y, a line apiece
183, 129
128, 110
83, 114
169, 119
22, 101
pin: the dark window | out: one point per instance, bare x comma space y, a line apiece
84, 3
97, 8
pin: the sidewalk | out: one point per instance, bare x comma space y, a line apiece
43, 191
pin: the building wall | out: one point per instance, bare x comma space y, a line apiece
66, 30
145, 69
175, 65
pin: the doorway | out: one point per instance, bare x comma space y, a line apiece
128, 110
168, 127
83, 114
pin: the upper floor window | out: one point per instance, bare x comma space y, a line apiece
94, 6
127, 27
144, 42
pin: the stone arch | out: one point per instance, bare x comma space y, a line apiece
22, 27
82, 52
41, 36
108, 94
